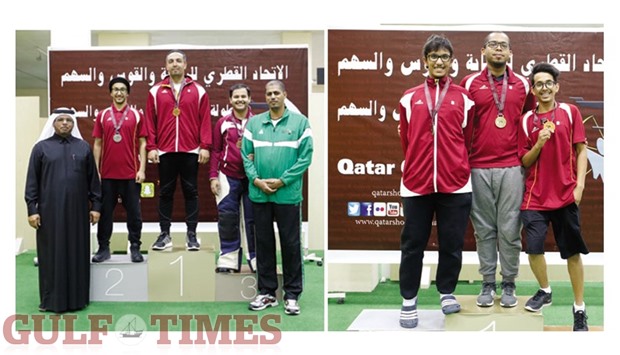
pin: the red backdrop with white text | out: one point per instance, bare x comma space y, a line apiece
80, 78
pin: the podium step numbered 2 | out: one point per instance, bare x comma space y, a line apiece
119, 280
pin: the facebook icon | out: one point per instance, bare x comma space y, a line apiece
366, 209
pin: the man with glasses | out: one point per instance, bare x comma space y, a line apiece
120, 154
436, 178
501, 97
552, 147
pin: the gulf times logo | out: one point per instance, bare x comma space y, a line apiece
374, 209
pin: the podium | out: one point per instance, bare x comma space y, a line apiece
470, 318
494, 318
241, 286
171, 275
178, 275
119, 280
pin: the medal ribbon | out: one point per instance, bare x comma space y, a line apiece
434, 110
117, 126
544, 120
499, 103
177, 95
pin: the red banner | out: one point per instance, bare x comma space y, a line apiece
79, 79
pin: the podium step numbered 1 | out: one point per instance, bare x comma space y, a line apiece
495, 318
178, 275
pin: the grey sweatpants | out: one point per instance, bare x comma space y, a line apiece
496, 199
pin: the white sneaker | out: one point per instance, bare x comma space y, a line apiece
291, 307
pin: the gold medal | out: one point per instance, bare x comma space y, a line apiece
500, 122
550, 126
117, 137
176, 112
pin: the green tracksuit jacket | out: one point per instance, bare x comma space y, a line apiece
283, 151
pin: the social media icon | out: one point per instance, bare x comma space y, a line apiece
393, 209
366, 209
353, 209
379, 209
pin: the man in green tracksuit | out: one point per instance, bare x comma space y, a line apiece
277, 150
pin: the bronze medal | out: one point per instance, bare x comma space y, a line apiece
550, 126
500, 122
239, 143
117, 137
176, 112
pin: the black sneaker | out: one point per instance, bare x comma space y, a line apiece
580, 323
163, 241
225, 270
538, 301
192, 242
102, 255
136, 256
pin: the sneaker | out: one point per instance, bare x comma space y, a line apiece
225, 270
263, 301
580, 323
102, 255
163, 242
136, 256
509, 297
192, 242
538, 301
449, 304
486, 298
291, 307
409, 316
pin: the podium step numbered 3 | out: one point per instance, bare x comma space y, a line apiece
241, 286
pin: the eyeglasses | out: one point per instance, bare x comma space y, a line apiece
494, 44
434, 57
119, 90
548, 84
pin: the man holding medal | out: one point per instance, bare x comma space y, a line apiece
179, 137
552, 147
229, 184
501, 96
120, 154
436, 182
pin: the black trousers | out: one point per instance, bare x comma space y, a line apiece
129, 191
172, 166
452, 214
288, 219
